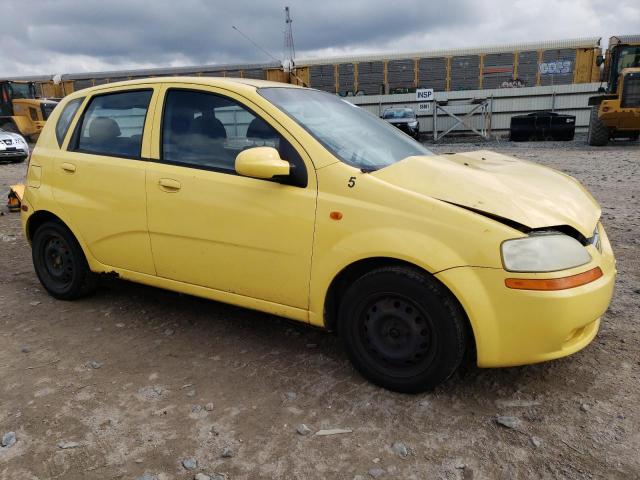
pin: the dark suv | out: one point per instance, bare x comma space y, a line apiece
403, 118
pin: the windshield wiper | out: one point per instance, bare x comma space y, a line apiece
357, 159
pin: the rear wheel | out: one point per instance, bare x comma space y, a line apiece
598, 132
60, 262
402, 329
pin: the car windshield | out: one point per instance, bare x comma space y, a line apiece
352, 134
398, 113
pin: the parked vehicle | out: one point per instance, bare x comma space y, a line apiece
13, 148
294, 202
403, 118
615, 112
542, 126
20, 109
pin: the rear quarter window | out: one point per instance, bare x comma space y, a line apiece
65, 118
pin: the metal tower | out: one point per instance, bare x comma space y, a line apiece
289, 48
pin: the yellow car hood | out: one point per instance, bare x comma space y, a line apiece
521, 191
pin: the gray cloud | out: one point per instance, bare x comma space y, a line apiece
45, 37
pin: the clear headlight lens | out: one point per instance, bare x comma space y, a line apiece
543, 252
413, 124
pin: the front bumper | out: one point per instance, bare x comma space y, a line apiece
406, 128
13, 155
517, 327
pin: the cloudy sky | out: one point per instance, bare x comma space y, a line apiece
66, 36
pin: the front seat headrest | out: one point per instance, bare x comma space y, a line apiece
258, 128
104, 129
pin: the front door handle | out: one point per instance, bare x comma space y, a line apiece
169, 185
68, 167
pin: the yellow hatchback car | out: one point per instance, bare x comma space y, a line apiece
295, 202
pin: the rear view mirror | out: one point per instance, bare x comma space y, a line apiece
261, 162
599, 60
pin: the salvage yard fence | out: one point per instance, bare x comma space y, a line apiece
505, 103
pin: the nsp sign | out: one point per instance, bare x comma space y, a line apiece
424, 94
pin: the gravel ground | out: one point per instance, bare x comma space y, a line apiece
136, 381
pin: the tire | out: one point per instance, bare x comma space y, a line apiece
598, 135
60, 263
634, 137
401, 329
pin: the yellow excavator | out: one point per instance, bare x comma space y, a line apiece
21, 111
615, 111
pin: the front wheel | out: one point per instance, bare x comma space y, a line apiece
60, 262
402, 329
598, 134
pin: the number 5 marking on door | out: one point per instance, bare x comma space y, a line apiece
352, 182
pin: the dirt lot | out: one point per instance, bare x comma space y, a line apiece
179, 378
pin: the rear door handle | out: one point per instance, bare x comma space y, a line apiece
169, 185
68, 167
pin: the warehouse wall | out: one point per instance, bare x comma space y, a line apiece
568, 99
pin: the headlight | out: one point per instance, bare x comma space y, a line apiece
543, 252
413, 124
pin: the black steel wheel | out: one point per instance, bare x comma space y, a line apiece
397, 333
402, 329
60, 262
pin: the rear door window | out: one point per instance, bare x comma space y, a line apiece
113, 124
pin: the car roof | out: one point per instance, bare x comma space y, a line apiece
238, 84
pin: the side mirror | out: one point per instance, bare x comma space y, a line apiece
261, 162
599, 60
